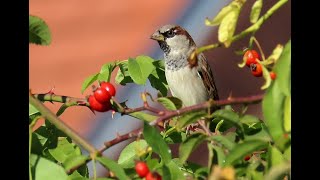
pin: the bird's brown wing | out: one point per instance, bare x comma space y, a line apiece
207, 76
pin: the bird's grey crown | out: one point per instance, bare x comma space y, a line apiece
166, 28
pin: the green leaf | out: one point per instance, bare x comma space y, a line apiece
283, 70
234, 5
228, 27
123, 76
72, 161
175, 137
158, 81
32, 110
287, 114
143, 116
170, 103
157, 143
87, 82
216, 155
255, 11
159, 64
272, 106
44, 169
189, 118
262, 134
140, 68
287, 154
62, 108
266, 76
275, 157
132, 152
278, 172
171, 171
113, 166
223, 140
106, 71
230, 119
64, 150
243, 149
39, 32
189, 145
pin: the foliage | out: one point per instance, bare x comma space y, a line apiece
229, 135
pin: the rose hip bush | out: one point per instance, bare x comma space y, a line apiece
240, 145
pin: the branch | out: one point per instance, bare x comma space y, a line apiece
70, 101
251, 29
47, 114
230, 101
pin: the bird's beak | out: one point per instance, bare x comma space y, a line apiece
157, 36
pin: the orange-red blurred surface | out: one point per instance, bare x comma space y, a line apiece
87, 34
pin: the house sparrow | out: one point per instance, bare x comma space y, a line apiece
188, 74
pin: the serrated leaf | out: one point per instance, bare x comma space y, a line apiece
62, 108
171, 171
123, 76
157, 143
266, 76
143, 116
106, 71
219, 17
88, 81
287, 153
113, 166
140, 68
42, 168
230, 118
249, 119
169, 104
175, 137
189, 118
272, 106
189, 145
39, 32
158, 81
132, 152
255, 11
275, 157
234, 5
64, 150
159, 64
287, 114
228, 27
283, 70
278, 172
243, 149
275, 55
72, 161
223, 141
32, 110
216, 155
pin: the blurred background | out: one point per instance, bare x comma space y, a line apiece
88, 34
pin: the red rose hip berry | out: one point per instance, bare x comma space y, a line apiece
97, 106
256, 70
102, 95
109, 87
153, 176
247, 158
251, 57
141, 169
273, 75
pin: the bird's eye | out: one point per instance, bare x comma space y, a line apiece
170, 33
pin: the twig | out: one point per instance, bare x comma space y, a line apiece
250, 30
47, 114
205, 105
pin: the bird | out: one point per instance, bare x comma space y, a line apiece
188, 73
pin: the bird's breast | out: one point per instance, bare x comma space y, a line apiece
187, 85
